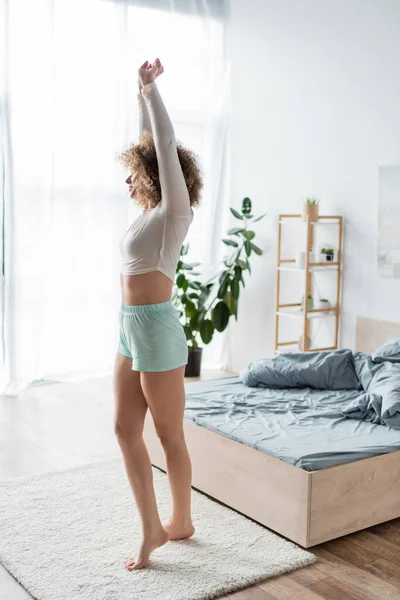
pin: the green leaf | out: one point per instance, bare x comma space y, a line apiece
190, 309
238, 272
184, 249
195, 284
229, 242
235, 230
223, 287
246, 206
193, 295
228, 299
235, 289
256, 249
194, 322
188, 332
182, 282
179, 265
247, 247
205, 292
187, 266
236, 214
235, 308
220, 316
248, 265
242, 264
223, 275
259, 218
207, 331
249, 234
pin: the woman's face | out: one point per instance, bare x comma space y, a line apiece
131, 189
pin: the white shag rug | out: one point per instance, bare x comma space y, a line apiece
67, 535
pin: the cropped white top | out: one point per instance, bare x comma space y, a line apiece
153, 241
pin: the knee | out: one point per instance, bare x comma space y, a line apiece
170, 438
125, 432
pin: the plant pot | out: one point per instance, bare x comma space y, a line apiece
300, 343
310, 212
193, 365
319, 304
310, 303
329, 257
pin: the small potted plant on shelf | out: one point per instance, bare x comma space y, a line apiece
311, 209
322, 303
310, 302
328, 253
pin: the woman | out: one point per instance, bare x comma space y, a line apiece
149, 367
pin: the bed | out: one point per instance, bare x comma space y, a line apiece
307, 496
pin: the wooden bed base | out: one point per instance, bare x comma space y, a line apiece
306, 507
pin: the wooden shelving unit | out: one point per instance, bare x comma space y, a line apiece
293, 310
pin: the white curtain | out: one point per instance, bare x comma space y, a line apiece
68, 106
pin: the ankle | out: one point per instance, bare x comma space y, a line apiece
152, 530
181, 521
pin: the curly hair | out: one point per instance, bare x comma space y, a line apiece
141, 158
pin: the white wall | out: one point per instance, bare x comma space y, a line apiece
315, 110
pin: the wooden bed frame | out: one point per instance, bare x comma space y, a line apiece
308, 507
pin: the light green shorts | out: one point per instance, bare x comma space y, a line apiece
152, 336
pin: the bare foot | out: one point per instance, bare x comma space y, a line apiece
146, 548
178, 531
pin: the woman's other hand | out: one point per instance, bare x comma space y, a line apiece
148, 72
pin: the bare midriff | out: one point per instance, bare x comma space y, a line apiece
145, 288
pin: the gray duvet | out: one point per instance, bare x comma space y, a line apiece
313, 410
378, 383
304, 427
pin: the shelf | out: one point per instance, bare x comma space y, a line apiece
276, 351
310, 280
320, 221
327, 218
312, 313
311, 267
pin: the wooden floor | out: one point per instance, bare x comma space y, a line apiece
63, 425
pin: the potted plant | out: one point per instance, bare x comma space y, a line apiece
328, 253
322, 303
311, 209
206, 307
310, 302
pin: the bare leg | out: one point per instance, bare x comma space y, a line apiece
165, 395
130, 412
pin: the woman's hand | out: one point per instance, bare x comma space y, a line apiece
148, 72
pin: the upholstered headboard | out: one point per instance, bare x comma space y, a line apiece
371, 333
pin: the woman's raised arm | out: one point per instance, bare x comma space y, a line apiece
173, 186
144, 118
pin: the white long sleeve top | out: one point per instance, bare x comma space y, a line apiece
153, 241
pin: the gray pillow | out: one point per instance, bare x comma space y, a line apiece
386, 383
332, 370
390, 351
365, 368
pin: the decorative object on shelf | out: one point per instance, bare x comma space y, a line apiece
207, 307
310, 302
300, 343
322, 303
307, 312
311, 209
328, 254
300, 260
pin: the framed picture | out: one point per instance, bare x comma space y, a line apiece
389, 222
